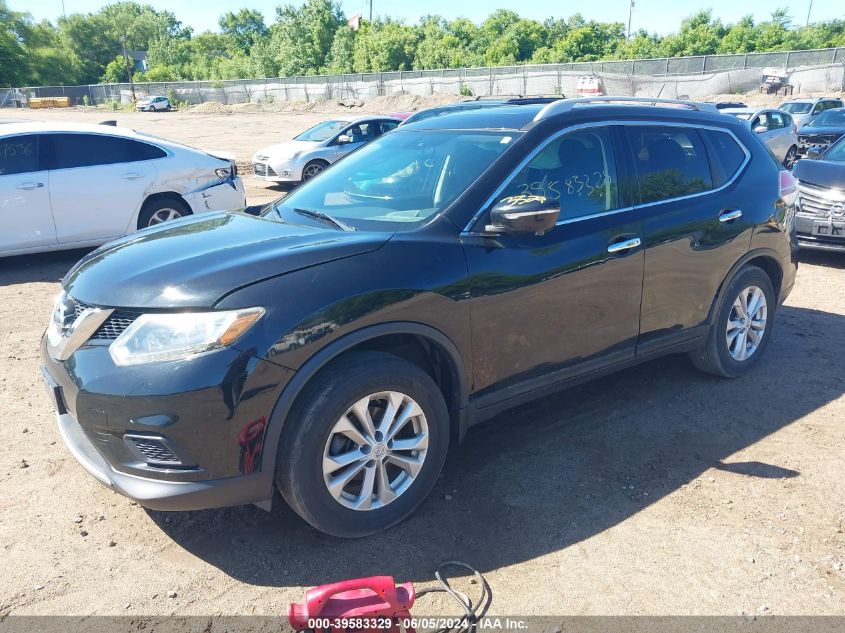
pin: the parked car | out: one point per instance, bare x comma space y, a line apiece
821, 132
473, 104
725, 105
153, 104
775, 128
74, 185
318, 147
448, 271
821, 195
805, 110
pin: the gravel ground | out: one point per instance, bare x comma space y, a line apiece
654, 491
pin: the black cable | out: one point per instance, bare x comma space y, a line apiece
472, 614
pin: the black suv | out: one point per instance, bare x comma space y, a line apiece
447, 271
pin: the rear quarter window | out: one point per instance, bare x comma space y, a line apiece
726, 155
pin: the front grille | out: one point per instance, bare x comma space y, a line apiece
153, 450
817, 140
112, 327
819, 201
261, 169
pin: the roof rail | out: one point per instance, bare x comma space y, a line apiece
566, 105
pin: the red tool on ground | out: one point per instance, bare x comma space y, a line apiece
363, 604
377, 604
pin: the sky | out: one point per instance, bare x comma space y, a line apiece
661, 16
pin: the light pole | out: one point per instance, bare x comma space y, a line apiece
371, 10
630, 11
128, 68
808, 13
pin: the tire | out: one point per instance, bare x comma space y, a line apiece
312, 169
732, 352
159, 210
311, 438
791, 156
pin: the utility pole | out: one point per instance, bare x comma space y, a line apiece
371, 10
808, 13
630, 11
64, 13
128, 67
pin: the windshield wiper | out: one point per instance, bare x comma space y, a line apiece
325, 217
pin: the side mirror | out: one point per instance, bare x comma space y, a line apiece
524, 214
813, 153
760, 129
343, 139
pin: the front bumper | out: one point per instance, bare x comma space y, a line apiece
284, 172
816, 233
215, 431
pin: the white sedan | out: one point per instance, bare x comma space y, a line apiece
73, 185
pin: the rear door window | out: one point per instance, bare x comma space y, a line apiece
68, 151
670, 162
18, 154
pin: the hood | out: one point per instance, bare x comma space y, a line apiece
824, 173
194, 262
286, 149
812, 130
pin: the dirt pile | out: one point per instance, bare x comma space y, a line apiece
385, 104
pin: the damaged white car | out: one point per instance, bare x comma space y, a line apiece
72, 185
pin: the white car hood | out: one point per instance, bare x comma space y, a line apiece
280, 151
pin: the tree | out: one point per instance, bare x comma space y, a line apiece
246, 28
15, 28
301, 37
342, 51
384, 45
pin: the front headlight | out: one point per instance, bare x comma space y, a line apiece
157, 337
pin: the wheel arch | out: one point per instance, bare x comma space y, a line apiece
417, 343
763, 258
160, 195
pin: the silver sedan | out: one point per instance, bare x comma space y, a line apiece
775, 128
318, 147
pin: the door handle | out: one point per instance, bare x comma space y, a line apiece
28, 186
134, 175
730, 216
625, 245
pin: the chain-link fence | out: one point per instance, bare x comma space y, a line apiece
690, 77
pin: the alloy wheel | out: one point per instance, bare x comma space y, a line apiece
789, 159
375, 451
746, 323
311, 171
164, 215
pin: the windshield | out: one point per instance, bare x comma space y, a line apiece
831, 118
795, 107
836, 152
322, 131
398, 181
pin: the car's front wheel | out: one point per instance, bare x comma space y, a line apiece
312, 169
742, 328
363, 445
791, 157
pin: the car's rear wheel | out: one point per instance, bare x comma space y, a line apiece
791, 156
312, 169
161, 210
742, 328
363, 445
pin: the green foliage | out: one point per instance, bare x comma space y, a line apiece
302, 37
246, 28
466, 91
312, 37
